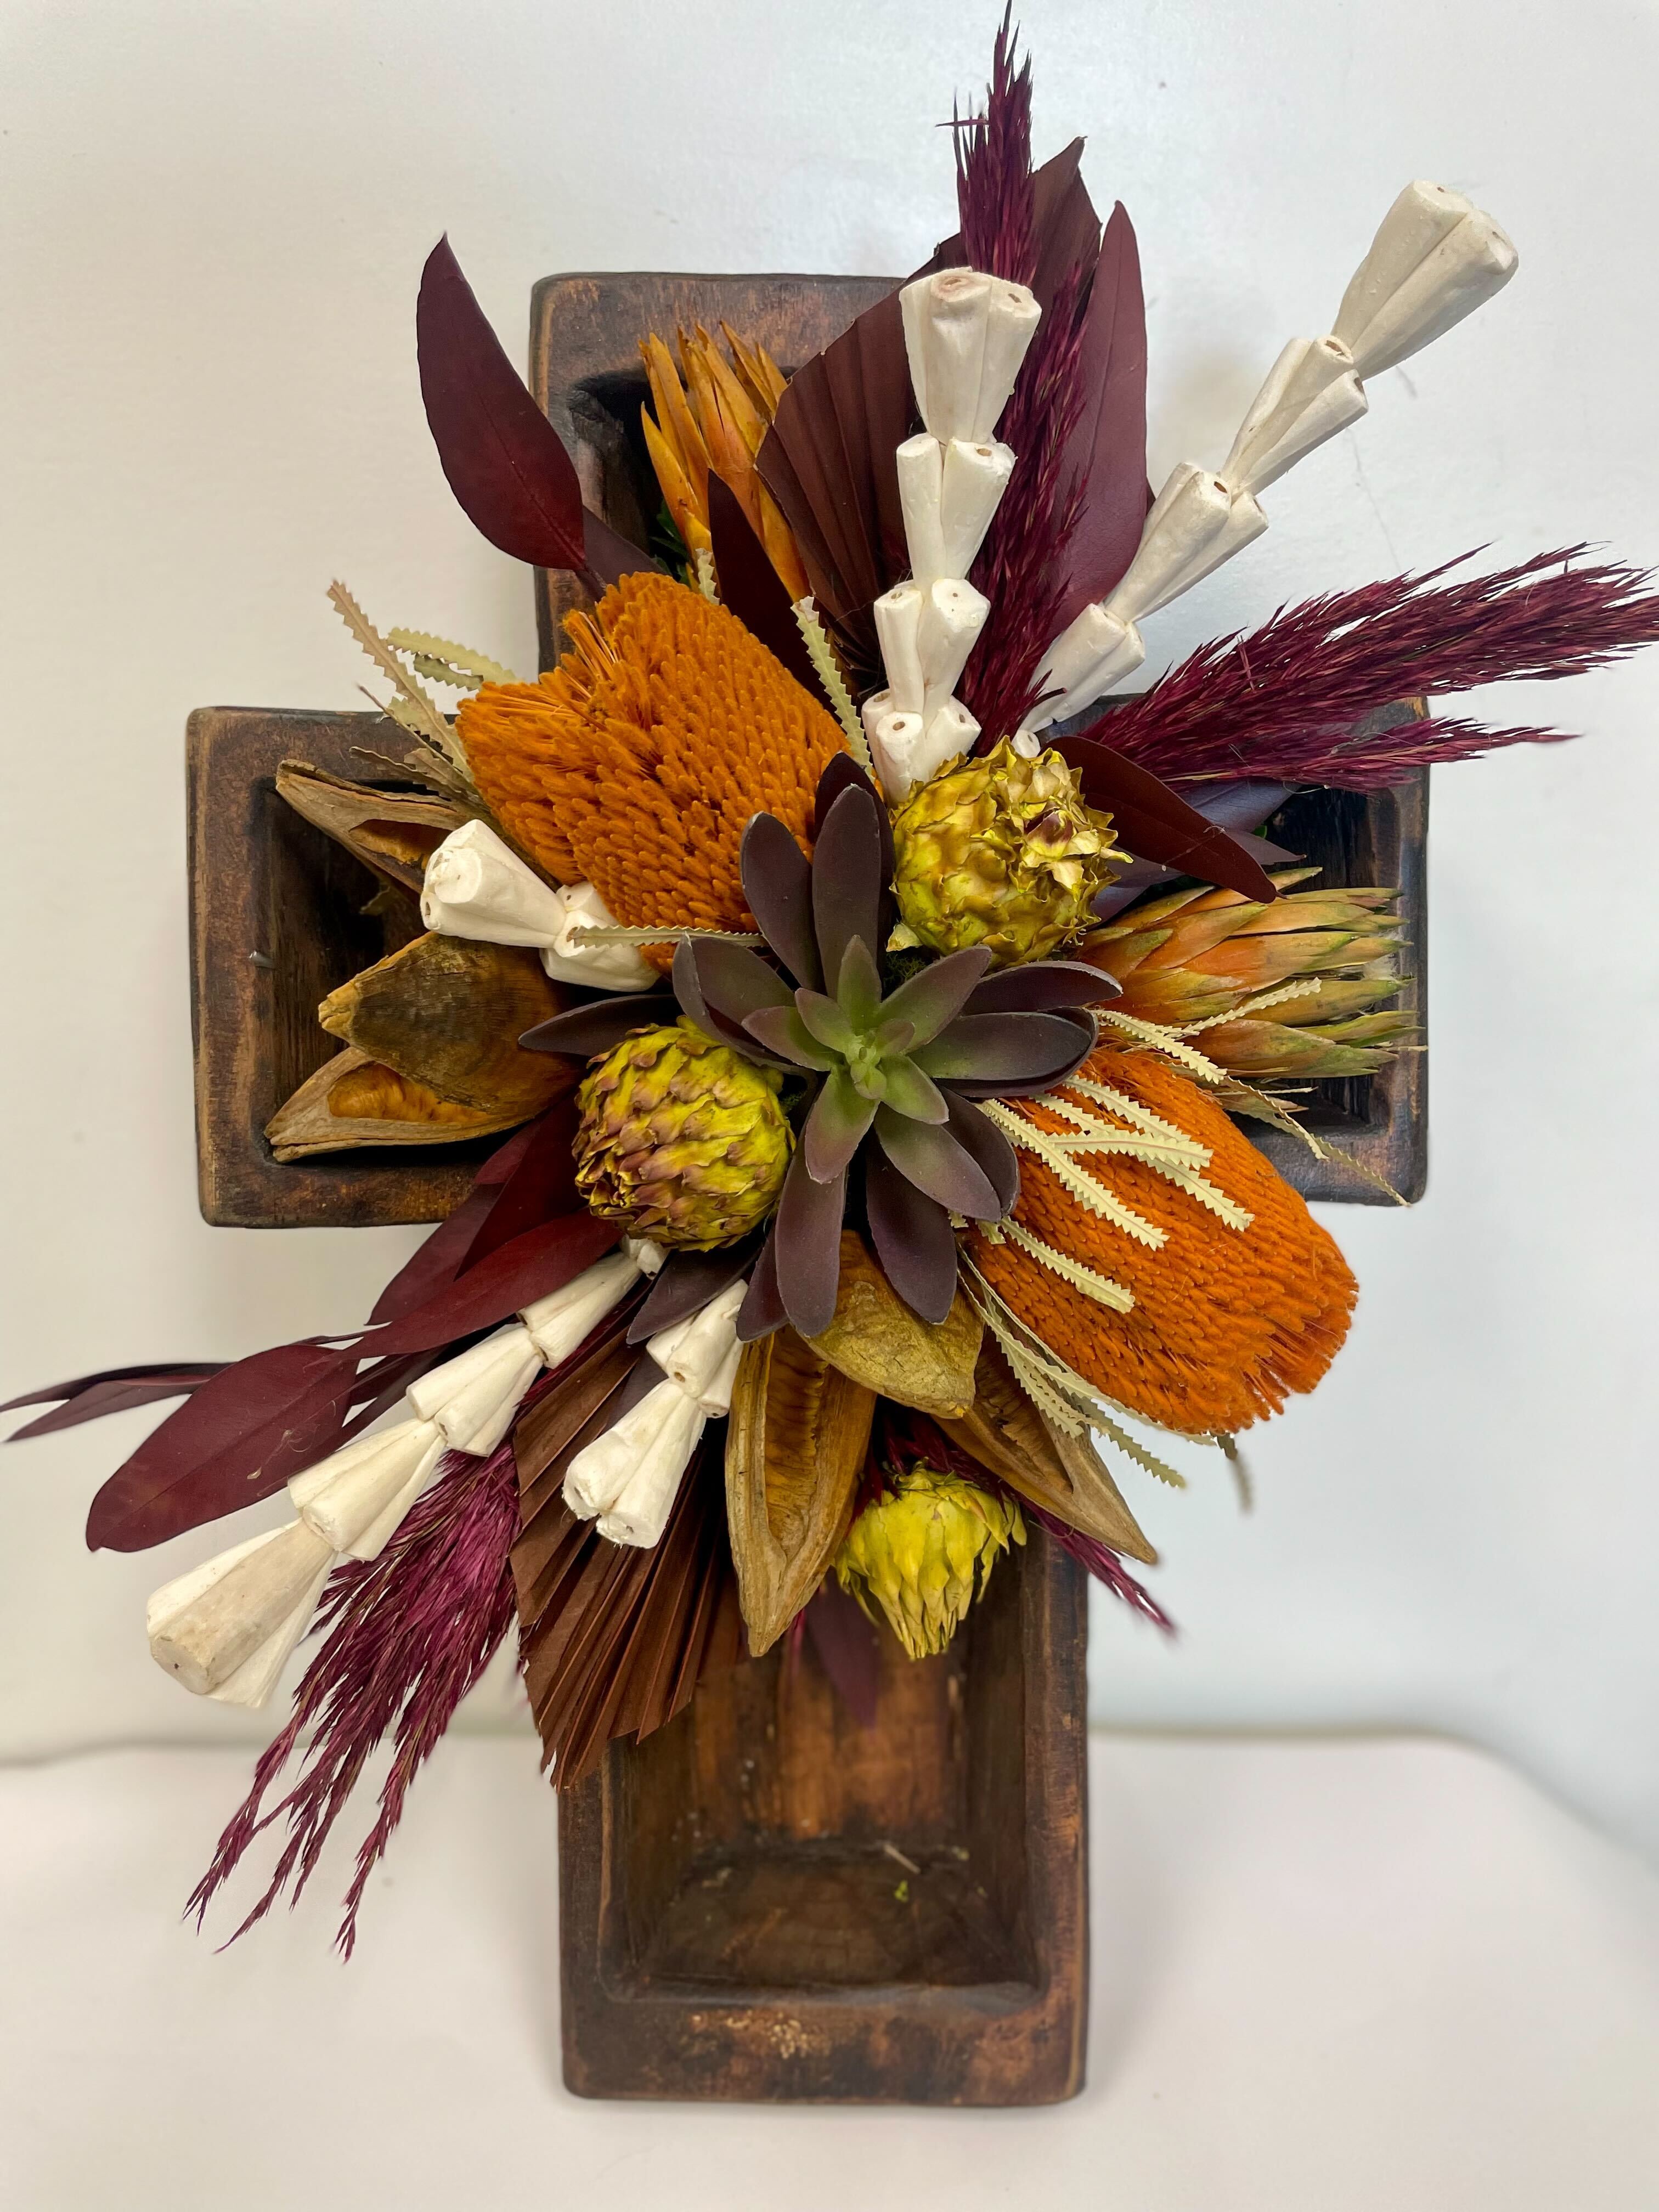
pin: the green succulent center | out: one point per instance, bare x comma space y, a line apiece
865, 1063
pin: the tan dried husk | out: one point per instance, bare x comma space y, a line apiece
795, 1451
1004, 1432
353, 1100
449, 1012
394, 833
878, 1340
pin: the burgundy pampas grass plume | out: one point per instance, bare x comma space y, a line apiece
994, 169
1282, 701
1102, 1564
1019, 568
407, 1635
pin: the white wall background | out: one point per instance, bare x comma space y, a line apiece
216, 217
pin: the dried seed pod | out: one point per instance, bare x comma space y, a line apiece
393, 832
353, 1100
794, 1453
878, 1340
1004, 1432
448, 1011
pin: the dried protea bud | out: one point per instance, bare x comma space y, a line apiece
1212, 957
681, 1139
1000, 852
923, 1551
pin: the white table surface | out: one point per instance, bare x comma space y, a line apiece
1362, 1975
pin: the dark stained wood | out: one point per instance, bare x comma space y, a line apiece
1381, 1122
735, 1923
277, 922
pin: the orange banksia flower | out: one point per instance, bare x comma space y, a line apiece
636, 762
1226, 1320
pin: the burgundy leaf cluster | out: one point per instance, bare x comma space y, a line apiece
245, 1428
1283, 702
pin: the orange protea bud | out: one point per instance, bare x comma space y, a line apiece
1198, 956
719, 421
1230, 1315
636, 762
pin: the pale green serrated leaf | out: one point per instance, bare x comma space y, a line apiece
428, 724
598, 933
827, 671
443, 661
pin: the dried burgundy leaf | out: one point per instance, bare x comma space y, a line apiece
541, 1187
233, 1442
114, 1390
751, 588
1157, 824
541, 1261
1106, 455
506, 463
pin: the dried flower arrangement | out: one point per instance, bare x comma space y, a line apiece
874, 1034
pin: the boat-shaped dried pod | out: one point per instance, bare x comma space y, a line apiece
878, 1340
393, 832
355, 1100
794, 1453
448, 1011
1004, 1432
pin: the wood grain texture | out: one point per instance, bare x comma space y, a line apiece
735, 1925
